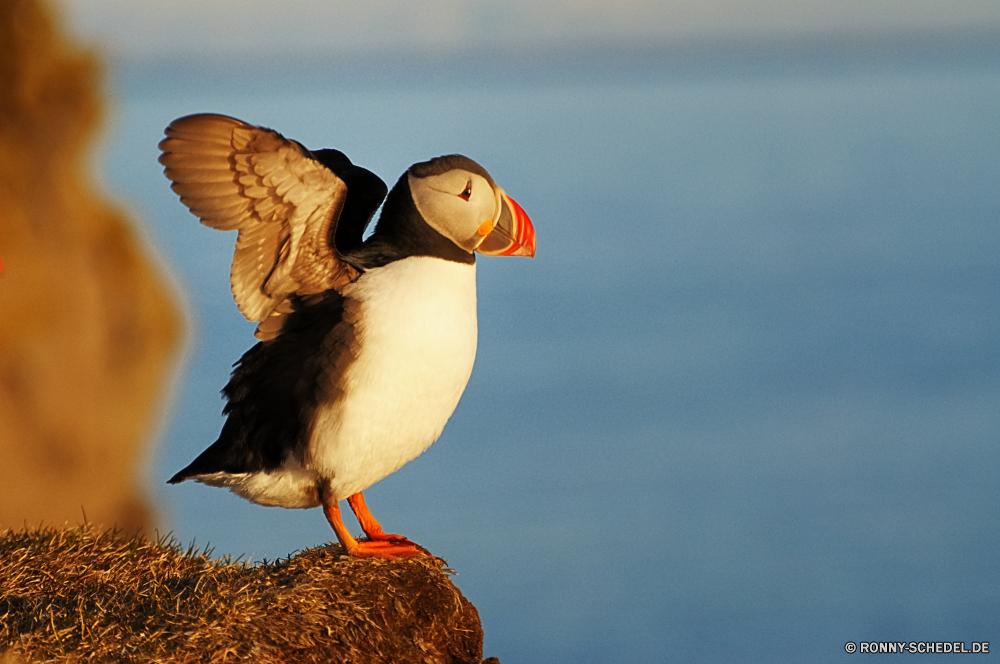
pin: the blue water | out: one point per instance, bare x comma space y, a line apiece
743, 405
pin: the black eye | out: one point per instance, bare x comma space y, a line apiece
467, 192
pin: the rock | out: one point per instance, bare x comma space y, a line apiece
89, 332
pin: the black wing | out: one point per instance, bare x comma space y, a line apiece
365, 193
274, 390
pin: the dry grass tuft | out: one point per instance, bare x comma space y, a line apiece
80, 595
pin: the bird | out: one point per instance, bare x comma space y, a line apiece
364, 345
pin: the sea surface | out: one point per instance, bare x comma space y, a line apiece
744, 404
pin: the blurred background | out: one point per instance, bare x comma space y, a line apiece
742, 406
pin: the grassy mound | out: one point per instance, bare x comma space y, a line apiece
74, 595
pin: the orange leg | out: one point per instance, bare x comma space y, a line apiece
368, 523
389, 546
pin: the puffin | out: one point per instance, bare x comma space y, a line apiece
364, 345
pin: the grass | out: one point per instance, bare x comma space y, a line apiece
79, 595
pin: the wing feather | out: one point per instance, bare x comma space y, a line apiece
200, 190
284, 203
200, 174
207, 148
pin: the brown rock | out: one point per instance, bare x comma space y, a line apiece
88, 330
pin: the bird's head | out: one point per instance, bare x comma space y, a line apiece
459, 199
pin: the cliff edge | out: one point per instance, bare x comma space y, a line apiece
71, 595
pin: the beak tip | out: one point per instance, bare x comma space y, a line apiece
525, 231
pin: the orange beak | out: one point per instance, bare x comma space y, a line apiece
513, 234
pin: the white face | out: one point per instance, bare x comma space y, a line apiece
460, 205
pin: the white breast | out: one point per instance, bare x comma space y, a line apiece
415, 330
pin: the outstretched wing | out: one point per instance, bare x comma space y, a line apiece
284, 203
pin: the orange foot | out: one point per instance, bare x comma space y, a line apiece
368, 523
390, 550
379, 543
